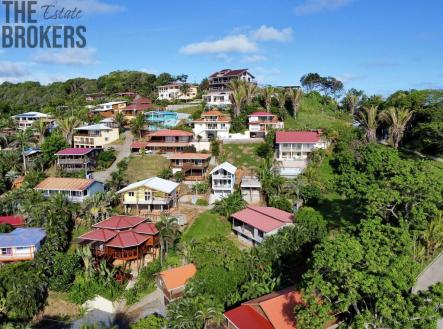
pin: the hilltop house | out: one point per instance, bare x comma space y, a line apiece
212, 125
74, 189
172, 282
219, 91
223, 180
261, 122
150, 195
161, 119
122, 238
139, 105
172, 91
164, 141
26, 120
21, 244
108, 109
253, 224
293, 148
95, 136
77, 159
193, 165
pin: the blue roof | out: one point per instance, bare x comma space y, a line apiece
22, 237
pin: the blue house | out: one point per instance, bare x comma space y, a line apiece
21, 244
161, 119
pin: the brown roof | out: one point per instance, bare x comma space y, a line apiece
177, 277
213, 113
191, 156
228, 72
64, 184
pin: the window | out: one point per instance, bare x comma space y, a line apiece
260, 234
6, 251
131, 194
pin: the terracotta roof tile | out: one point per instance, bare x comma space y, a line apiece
177, 277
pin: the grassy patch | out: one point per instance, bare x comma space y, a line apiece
242, 155
190, 110
142, 167
207, 225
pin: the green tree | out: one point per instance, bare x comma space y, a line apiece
67, 127
51, 145
238, 96
168, 229
120, 120
23, 137
138, 124
397, 120
367, 118
295, 95
230, 204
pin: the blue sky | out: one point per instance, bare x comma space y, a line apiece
378, 46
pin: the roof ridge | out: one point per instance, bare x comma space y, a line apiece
254, 208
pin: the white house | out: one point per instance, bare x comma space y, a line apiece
293, 148
261, 122
212, 125
219, 91
74, 189
26, 120
172, 91
223, 180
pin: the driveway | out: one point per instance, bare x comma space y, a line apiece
150, 304
123, 151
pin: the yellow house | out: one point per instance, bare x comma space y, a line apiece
152, 195
95, 136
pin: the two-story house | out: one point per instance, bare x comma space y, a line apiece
193, 165
219, 91
223, 180
21, 244
108, 109
161, 119
253, 224
154, 194
26, 120
77, 159
212, 125
173, 91
139, 105
164, 141
293, 148
261, 122
95, 136
74, 189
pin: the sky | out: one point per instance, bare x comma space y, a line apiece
378, 46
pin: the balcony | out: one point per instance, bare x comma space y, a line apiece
79, 161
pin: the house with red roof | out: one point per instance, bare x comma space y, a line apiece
138, 105
293, 149
253, 223
122, 238
261, 122
13, 220
212, 125
164, 141
77, 159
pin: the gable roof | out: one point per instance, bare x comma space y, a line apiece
245, 317
297, 136
146, 228
228, 72
98, 234
261, 114
98, 126
119, 222
22, 237
214, 113
171, 132
155, 183
226, 166
178, 276
178, 156
266, 219
127, 239
32, 114
75, 151
13, 220
65, 184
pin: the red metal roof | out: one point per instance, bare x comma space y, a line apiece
261, 114
120, 222
265, 219
98, 234
13, 220
245, 317
127, 239
146, 228
75, 151
170, 132
142, 100
297, 137
191, 156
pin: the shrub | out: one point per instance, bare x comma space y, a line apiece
65, 268
201, 202
215, 148
150, 322
200, 188
145, 283
85, 288
106, 158
165, 173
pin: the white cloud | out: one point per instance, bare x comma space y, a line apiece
149, 70
269, 33
347, 77
254, 58
265, 75
315, 6
224, 57
87, 6
69, 56
12, 70
230, 44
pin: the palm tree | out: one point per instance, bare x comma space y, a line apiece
294, 95
268, 93
397, 119
352, 101
433, 235
22, 137
369, 121
41, 127
168, 230
184, 89
229, 205
251, 90
96, 207
67, 126
138, 124
280, 96
238, 95
120, 120
209, 315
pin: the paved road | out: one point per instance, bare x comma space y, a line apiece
150, 304
123, 151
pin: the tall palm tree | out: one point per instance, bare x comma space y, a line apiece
138, 124
268, 93
352, 101
238, 96
433, 234
280, 96
397, 119
120, 120
41, 127
67, 126
23, 137
184, 89
251, 90
369, 121
294, 95
168, 230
